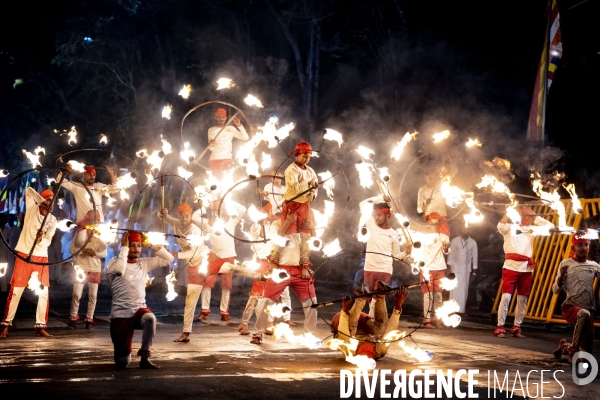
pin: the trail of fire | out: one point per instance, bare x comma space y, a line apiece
185, 91
553, 199
397, 151
334, 136
438, 137
166, 111
224, 83
253, 101
473, 142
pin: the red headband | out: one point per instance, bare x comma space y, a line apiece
135, 236
578, 239
268, 207
383, 209
221, 111
47, 193
89, 169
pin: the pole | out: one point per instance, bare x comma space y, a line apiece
162, 199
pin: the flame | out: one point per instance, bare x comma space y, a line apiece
590, 234
438, 137
251, 265
65, 225
315, 243
252, 168
364, 173
166, 147
156, 238
334, 136
171, 294
76, 166
448, 284
447, 308
3, 268
111, 201
125, 181
107, 232
283, 330
72, 136
494, 183
475, 215
453, 195
253, 101
34, 159
393, 336
397, 151
322, 219
143, 153
79, 274
278, 275
416, 353
184, 173
187, 154
185, 91
218, 226
203, 267
266, 161
498, 162
363, 234
256, 215
166, 111
349, 349
328, 184
365, 152
196, 240
50, 180
103, 139
224, 83
149, 178
332, 248
4, 173
574, 199
283, 132
278, 310
35, 284
473, 142
554, 202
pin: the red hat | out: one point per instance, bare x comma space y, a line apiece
90, 169
47, 193
267, 207
135, 236
221, 111
184, 208
579, 239
302, 148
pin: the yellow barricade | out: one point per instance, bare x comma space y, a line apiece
548, 252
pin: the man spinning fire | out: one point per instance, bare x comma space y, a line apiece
220, 139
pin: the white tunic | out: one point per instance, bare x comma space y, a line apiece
193, 254
437, 204
275, 196
128, 281
290, 254
462, 258
223, 149
87, 263
262, 249
519, 243
296, 182
33, 222
223, 245
82, 197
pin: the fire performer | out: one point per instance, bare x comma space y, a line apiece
576, 277
222, 250
517, 268
37, 237
352, 322
219, 142
430, 202
274, 192
82, 199
383, 242
303, 288
89, 262
183, 227
300, 189
127, 275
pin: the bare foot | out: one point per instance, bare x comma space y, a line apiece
4, 331
184, 338
42, 332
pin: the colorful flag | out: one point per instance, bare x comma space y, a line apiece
551, 55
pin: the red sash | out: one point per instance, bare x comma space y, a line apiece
520, 257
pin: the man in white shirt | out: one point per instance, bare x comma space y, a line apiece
127, 275
462, 260
518, 266
220, 139
34, 236
274, 192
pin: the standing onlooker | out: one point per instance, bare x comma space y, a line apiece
462, 261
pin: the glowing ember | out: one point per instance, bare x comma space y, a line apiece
266, 161
332, 248
278, 275
438, 137
103, 139
171, 294
334, 136
65, 225
184, 173
79, 274
166, 111
187, 154
185, 91
76, 166
256, 215
446, 313
156, 238
224, 83
328, 184
574, 199
315, 244
72, 134
3, 173
448, 284
473, 142
364, 174
397, 151
278, 310
283, 330
416, 353
365, 152
3, 267
253, 101
35, 284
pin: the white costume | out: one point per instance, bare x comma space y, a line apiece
82, 197
223, 149
463, 260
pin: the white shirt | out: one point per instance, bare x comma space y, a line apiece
87, 263
438, 203
128, 281
33, 222
463, 255
290, 254
82, 197
223, 149
193, 254
262, 249
296, 182
275, 196
579, 283
519, 244
223, 245
433, 255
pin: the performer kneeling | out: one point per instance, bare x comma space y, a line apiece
127, 275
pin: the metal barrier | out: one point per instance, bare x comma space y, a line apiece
548, 252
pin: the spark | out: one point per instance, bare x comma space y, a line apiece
266, 161
76, 166
166, 111
79, 274
416, 352
365, 152
35, 284
184, 173
224, 83
328, 183
187, 154
364, 173
574, 199
332, 248
334, 136
438, 137
473, 142
185, 91
171, 294
253, 101
103, 139
397, 151
3, 268
156, 238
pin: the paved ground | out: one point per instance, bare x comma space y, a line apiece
219, 363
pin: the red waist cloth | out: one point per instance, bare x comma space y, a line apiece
443, 226
520, 257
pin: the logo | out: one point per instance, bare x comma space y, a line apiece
584, 369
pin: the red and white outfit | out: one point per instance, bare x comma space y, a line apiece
193, 255
221, 158
436, 208
129, 310
92, 268
517, 269
23, 270
222, 250
433, 257
82, 197
275, 196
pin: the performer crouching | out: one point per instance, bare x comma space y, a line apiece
127, 275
